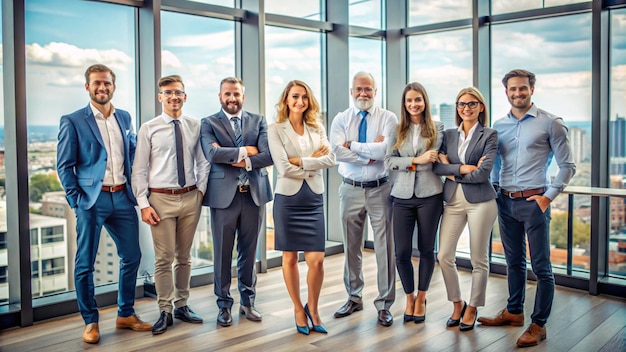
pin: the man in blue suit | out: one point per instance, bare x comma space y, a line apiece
94, 157
235, 144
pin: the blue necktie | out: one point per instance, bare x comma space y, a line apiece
363, 127
243, 176
180, 158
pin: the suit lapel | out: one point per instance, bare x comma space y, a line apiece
227, 126
288, 132
91, 122
452, 147
478, 134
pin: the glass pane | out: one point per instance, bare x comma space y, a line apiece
307, 9
289, 54
365, 13
228, 3
423, 12
442, 63
367, 55
617, 143
202, 51
506, 6
557, 51
4, 270
57, 54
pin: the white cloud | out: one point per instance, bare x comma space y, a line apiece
68, 55
169, 59
209, 41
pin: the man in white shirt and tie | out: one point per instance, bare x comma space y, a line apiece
169, 181
359, 138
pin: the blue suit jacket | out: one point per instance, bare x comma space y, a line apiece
81, 156
223, 177
476, 185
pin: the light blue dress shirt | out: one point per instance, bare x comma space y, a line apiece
525, 150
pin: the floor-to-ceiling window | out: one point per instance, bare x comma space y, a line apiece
62, 40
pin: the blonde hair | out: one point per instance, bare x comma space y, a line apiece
311, 116
427, 125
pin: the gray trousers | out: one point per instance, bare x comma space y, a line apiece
355, 204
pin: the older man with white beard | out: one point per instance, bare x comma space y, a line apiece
359, 138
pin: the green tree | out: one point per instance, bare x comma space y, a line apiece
42, 183
558, 231
206, 251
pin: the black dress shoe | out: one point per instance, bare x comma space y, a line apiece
224, 318
455, 322
250, 312
385, 318
348, 308
187, 315
165, 320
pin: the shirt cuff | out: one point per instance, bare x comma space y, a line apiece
243, 153
248, 164
143, 202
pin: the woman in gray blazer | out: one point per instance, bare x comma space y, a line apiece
466, 159
300, 150
416, 194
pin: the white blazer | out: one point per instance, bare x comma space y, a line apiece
283, 143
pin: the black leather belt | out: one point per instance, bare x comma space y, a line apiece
366, 184
523, 194
243, 188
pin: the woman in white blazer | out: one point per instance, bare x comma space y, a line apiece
300, 150
416, 195
466, 159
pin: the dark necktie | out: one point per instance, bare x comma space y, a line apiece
363, 127
180, 157
243, 176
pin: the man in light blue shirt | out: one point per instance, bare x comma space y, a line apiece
528, 138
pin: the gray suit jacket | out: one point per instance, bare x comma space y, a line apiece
223, 177
476, 185
422, 181
284, 145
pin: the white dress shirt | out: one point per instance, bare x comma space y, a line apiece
114, 145
243, 153
155, 157
354, 163
464, 141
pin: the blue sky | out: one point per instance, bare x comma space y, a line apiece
62, 40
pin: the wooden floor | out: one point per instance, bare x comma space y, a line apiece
579, 322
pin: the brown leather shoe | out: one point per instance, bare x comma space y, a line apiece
91, 334
532, 336
503, 318
132, 322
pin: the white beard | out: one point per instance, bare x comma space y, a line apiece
363, 104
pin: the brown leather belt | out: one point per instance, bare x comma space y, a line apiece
243, 188
114, 189
523, 194
173, 190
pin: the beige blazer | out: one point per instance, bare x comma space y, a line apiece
283, 143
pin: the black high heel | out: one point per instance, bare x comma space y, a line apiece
467, 327
317, 328
455, 322
420, 318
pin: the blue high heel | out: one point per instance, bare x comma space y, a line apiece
303, 329
317, 328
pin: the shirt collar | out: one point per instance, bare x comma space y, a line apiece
231, 116
471, 131
97, 114
532, 112
167, 118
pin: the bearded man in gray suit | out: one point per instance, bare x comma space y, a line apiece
235, 143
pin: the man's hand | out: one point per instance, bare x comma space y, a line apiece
542, 201
216, 145
321, 151
239, 164
252, 150
149, 216
379, 139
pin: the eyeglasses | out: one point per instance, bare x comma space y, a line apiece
367, 90
169, 93
472, 104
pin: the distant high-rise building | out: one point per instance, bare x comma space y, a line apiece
578, 143
617, 146
447, 115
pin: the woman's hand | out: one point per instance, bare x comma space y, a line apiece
429, 156
323, 150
